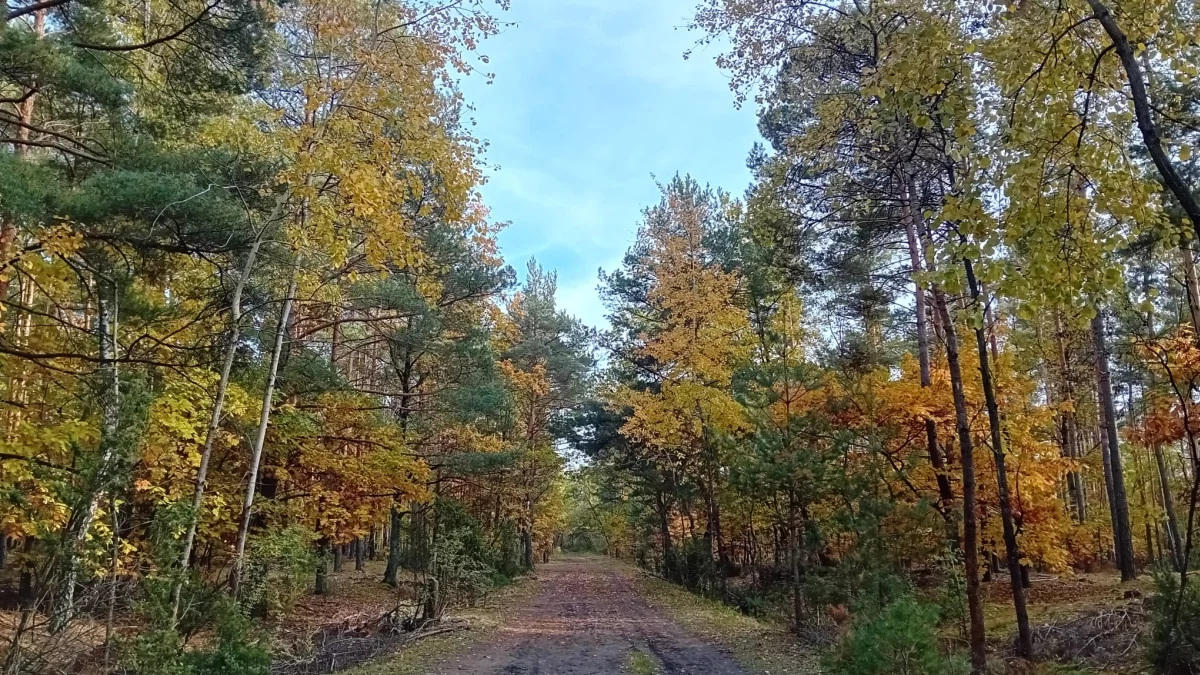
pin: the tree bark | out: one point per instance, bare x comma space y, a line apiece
321, 586
260, 438
1122, 535
391, 573
1145, 120
8, 229
1068, 425
664, 524
970, 546
945, 491
1012, 553
1193, 287
214, 423
1168, 501
80, 522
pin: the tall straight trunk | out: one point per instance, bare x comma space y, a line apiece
945, 491
214, 424
1193, 287
1122, 535
670, 569
970, 546
793, 535
391, 573
1102, 436
1067, 424
526, 548
714, 525
8, 228
260, 438
1168, 501
1012, 553
26, 597
360, 546
80, 522
321, 585
256, 453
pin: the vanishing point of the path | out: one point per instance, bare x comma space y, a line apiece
588, 618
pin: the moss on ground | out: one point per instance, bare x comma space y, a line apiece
758, 646
641, 663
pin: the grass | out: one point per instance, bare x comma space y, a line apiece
759, 647
641, 663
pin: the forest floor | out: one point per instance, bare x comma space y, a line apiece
589, 615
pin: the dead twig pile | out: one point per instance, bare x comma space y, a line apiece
1104, 638
352, 641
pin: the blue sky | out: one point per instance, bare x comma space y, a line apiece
592, 100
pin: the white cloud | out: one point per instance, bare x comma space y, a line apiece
591, 98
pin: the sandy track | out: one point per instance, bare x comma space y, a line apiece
587, 619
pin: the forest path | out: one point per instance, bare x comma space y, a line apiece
589, 618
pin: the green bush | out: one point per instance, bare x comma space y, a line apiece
277, 569
951, 595
161, 651
900, 639
463, 576
238, 651
1175, 626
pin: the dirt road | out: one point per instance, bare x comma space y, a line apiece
588, 618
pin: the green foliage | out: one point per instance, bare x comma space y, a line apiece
951, 595
641, 663
236, 651
1174, 647
900, 639
463, 577
278, 566
160, 649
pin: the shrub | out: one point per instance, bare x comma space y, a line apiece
900, 639
1175, 626
236, 651
463, 577
277, 569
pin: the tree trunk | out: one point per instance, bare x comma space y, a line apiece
8, 229
1168, 500
1067, 422
1192, 286
1122, 535
360, 545
1012, 554
214, 423
1145, 121
945, 491
26, 597
526, 548
794, 560
664, 526
80, 522
391, 573
321, 586
970, 545
260, 438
